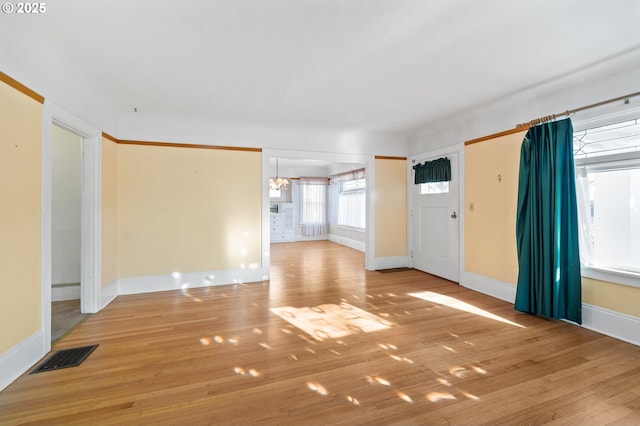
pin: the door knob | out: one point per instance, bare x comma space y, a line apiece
454, 215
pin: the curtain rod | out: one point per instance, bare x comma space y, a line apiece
524, 126
567, 113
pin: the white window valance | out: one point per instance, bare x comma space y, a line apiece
314, 181
351, 175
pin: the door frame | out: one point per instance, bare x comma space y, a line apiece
416, 158
91, 214
369, 164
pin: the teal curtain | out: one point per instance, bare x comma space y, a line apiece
549, 281
433, 171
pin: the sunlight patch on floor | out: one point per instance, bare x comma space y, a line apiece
250, 372
331, 320
439, 396
352, 400
317, 387
377, 380
452, 302
404, 397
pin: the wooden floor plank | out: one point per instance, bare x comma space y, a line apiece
219, 355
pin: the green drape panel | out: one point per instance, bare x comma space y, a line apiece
433, 171
549, 281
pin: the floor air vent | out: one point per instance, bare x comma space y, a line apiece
65, 358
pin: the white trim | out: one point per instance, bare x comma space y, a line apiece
617, 277
610, 161
46, 228
91, 211
605, 115
266, 212
354, 244
300, 237
150, 284
496, 288
67, 292
91, 224
108, 294
462, 203
351, 228
370, 234
21, 358
391, 262
620, 326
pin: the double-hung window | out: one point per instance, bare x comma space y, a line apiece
607, 158
313, 195
351, 203
348, 199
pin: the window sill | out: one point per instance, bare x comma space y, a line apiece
351, 228
618, 277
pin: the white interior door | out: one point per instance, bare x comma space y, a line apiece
435, 219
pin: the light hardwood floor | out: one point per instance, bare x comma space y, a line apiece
219, 355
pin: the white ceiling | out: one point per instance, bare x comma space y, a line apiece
356, 65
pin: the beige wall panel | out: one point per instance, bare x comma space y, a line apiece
490, 229
615, 297
390, 207
20, 224
109, 212
187, 210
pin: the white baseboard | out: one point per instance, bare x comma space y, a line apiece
108, 294
21, 358
496, 288
149, 284
614, 324
390, 262
354, 244
323, 237
66, 292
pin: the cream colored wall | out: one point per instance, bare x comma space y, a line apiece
109, 212
187, 210
20, 223
390, 207
490, 236
615, 297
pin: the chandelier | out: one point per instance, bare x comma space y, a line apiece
278, 182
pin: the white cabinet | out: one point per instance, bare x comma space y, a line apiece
283, 224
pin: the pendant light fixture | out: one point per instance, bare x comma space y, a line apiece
278, 182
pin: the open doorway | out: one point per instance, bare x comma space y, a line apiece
87, 140
318, 202
289, 204
66, 231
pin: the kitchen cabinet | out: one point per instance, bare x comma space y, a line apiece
283, 223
